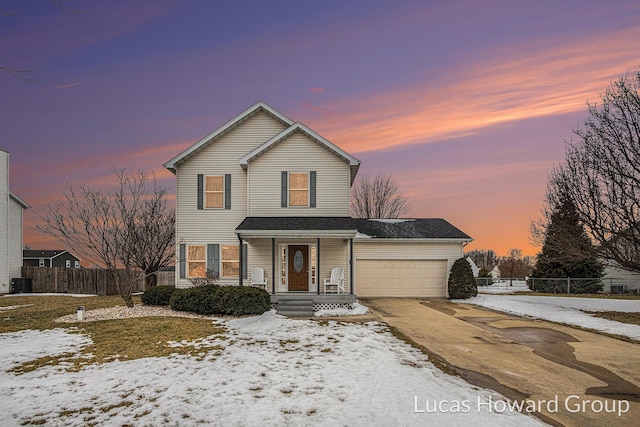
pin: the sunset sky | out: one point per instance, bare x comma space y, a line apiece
466, 103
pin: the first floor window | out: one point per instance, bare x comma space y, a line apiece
197, 261
230, 261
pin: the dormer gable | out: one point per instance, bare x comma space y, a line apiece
354, 163
256, 108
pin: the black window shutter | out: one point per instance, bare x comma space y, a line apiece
183, 261
200, 190
227, 191
244, 261
312, 189
213, 258
285, 190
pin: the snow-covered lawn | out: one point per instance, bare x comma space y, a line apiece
567, 310
272, 371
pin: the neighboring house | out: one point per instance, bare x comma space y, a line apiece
474, 267
50, 258
618, 280
495, 273
265, 191
11, 213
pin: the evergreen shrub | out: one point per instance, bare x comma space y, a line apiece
462, 284
221, 300
158, 295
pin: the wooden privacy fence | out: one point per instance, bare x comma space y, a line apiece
83, 280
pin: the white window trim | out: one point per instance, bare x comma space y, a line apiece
189, 261
204, 192
289, 189
222, 261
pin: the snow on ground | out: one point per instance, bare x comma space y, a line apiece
272, 371
564, 310
357, 310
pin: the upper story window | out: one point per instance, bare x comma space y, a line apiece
67, 263
77, 264
214, 191
298, 189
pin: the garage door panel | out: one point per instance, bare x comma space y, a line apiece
401, 278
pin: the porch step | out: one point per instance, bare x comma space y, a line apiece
296, 307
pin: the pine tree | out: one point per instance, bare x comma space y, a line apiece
567, 252
462, 284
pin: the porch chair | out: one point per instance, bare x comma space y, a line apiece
335, 284
257, 277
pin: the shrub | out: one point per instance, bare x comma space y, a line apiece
221, 300
158, 295
462, 284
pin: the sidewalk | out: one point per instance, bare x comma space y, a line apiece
525, 359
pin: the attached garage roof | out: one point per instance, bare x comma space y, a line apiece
420, 228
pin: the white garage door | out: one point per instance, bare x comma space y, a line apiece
401, 278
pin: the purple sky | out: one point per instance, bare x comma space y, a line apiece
466, 103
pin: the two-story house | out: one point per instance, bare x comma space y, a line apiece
50, 258
265, 191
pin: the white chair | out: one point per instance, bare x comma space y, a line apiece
257, 277
335, 284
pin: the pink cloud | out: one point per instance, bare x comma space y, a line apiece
317, 89
506, 86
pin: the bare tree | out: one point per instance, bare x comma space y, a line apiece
514, 265
378, 197
129, 229
601, 173
483, 258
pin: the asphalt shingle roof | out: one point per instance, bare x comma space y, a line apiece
419, 228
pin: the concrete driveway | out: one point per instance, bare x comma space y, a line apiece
572, 377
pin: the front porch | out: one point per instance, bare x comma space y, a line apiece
297, 255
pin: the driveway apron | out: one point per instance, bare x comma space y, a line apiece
528, 360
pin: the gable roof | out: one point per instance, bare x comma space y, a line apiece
407, 228
19, 201
228, 126
354, 163
45, 253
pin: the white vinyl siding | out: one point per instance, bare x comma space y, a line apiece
299, 153
195, 226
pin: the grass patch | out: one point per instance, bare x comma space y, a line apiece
122, 339
618, 316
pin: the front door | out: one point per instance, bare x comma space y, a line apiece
298, 268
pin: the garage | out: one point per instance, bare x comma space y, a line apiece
401, 278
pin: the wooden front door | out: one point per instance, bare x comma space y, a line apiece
298, 268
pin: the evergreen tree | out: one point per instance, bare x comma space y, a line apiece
462, 284
567, 252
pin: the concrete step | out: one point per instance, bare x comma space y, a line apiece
296, 307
